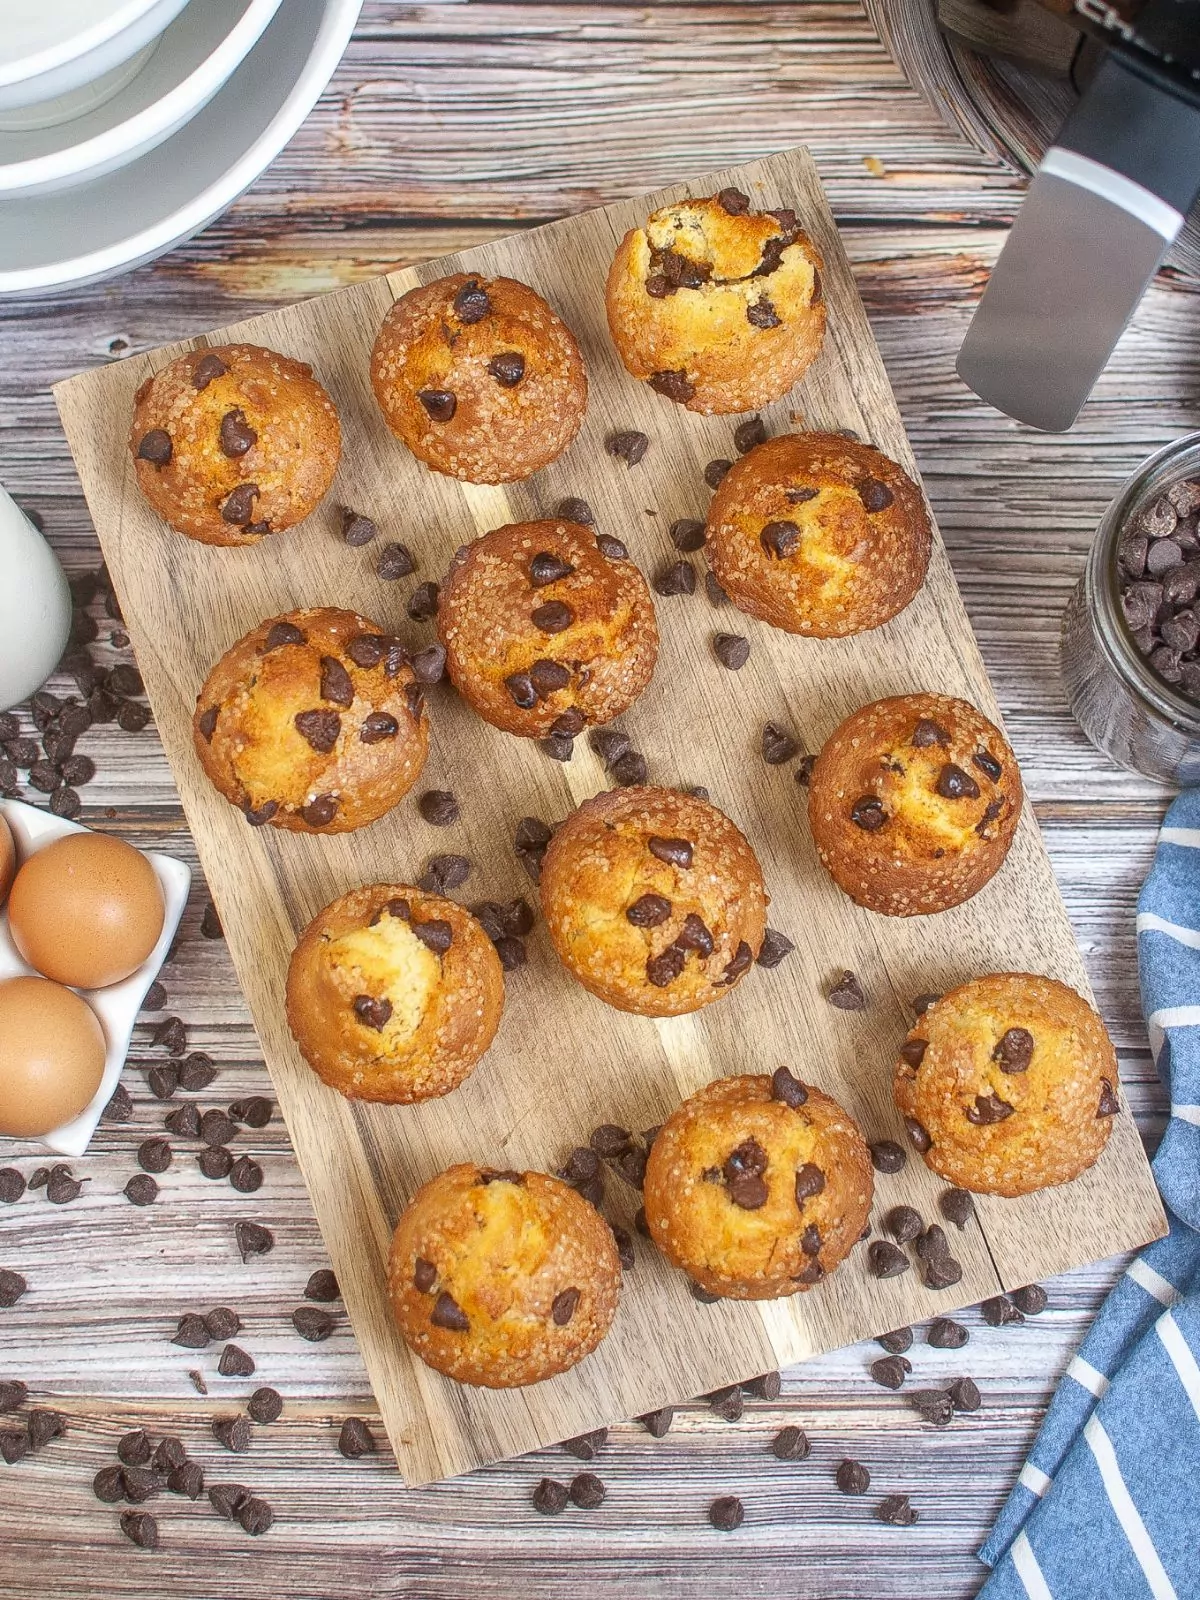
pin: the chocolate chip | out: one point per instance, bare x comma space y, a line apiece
319, 728
988, 1109
955, 784
648, 911
679, 577
999, 1312
964, 1394
1109, 1103
810, 1182
423, 602
940, 1272
471, 303
611, 549
733, 201
521, 689
747, 1190
321, 810
444, 873
791, 1444
896, 1510
547, 678
732, 650
235, 1362
236, 436
874, 495
777, 746
546, 568
788, 1089
896, 1342
372, 1012
628, 445
740, 963
253, 1239
62, 1186
890, 1371
687, 535
675, 852
572, 509
957, 1206
215, 1162
728, 1404
658, 1423
714, 591
12, 1287
586, 1446
448, 1314
227, 1499
762, 314
508, 368
359, 530
312, 1324
245, 1175
237, 508
903, 1223
665, 967
726, 1513
1031, 1300
885, 1259
625, 1252
439, 404
552, 617
184, 1121
232, 1432
140, 1528
141, 1190
222, 1322
674, 384
847, 994
14, 1445
132, 718
265, 1405
852, 1477
255, 1515
206, 369
216, 1128
377, 726
945, 1334
549, 1498
609, 1141
887, 1156
631, 1164
918, 1137
438, 807
155, 447
109, 1485
154, 1155
715, 471
776, 947
355, 1439
12, 1184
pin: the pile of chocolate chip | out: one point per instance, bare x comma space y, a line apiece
1158, 566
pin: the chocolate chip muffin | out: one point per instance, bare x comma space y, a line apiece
818, 534
234, 442
1008, 1084
913, 803
758, 1186
313, 722
394, 994
502, 1278
716, 305
548, 627
479, 378
654, 900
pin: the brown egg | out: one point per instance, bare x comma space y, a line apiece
86, 910
51, 1056
8, 860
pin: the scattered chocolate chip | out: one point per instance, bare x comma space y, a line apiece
109, 1485
12, 1183
678, 577
265, 1405
957, 1206
776, 947
232, 1432
184, 1121
777, 745
1031, 1300
896, 1342
245, 1175
630, 769
897, 1510
964, 1395
941, 1272
732, 650
140, 1528
168, 1453
438, 807
886, 1260
586, 1446
549, 1498
255, 1515
227, 1498
573, 509
355, 1439
714, 591
215, 1162
444, 873
187, 1478
154, 1155
791, 1444
890, 1371
715, 471
235, 1362
887, 1156
733, 201
658, 1423
12, 1287
852, 1477
155, 997
587, 1491
847, 994
132, 718
726, 1513
748, 434
628, 445
945, 1334
701, 1295
423, 602
141, 1190
687, 535
999, 1311
253, 1239
904, 1224
917, 1135
322, 1286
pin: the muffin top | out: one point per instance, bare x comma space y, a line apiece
502, 1278
313, 721
913, 803
1008, 1084
542, 619
479, 377
653, 899
234, 442
394, 994
818, 534
758, 1186
706, 302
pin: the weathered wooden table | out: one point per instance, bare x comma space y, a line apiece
446, 124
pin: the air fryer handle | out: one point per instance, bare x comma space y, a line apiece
1129, 123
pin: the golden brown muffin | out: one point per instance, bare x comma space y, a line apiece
717, 306
548, 627
394, 994
234, 442
913, 803
654, 900
1008, 1084
819, 535
313, 722
502, 1278
758, 1186
479, 378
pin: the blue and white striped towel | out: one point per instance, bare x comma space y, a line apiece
1108, 1503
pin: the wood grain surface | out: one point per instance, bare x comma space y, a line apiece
402, 161
564, 1062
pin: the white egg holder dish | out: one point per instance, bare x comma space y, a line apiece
116, 1006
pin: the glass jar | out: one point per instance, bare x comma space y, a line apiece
1119, 701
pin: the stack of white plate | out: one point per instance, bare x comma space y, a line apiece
127, 125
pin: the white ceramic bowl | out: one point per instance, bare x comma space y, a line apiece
57, 240
192, 60
53, 47
117, 1006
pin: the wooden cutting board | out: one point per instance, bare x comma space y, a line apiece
563, 1061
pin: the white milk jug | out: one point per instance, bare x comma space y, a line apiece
35, 606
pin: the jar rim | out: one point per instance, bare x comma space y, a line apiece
1154, 474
